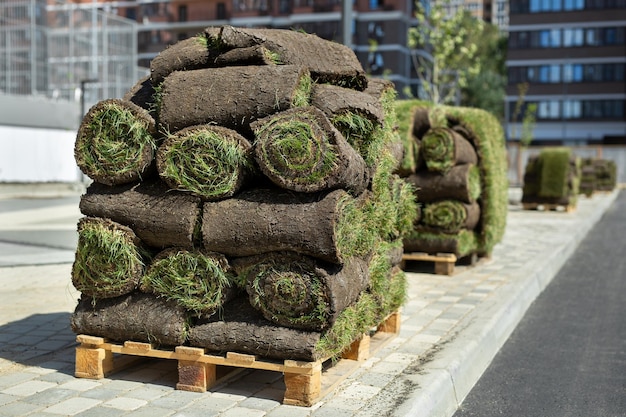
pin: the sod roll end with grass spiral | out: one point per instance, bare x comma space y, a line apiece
115, 142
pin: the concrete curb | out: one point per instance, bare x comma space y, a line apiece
450, 377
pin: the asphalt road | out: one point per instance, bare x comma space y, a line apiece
567, 357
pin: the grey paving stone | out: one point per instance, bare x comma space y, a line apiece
12, 379
124, 403
98, 411
50, 397
176, 400
145, 393
150, 411
243, 412
6, 398
289, 411
259, 403
101, 393
330, 411
72, 406
18, 409
213, 404
28, 388
58, 377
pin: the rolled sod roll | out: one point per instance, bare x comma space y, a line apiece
142, 94
159, 216
450, 215
460, 183
109, 259
241, 328
300, 150
137, 317
199, 282
232, 97
322, 225
461, 243
334, 100
188, 54
300, 292
209, 161
443, 148
115, 143
328, 62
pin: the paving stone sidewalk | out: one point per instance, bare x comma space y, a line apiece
452, 326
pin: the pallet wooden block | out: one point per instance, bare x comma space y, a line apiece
305, 382
444, 262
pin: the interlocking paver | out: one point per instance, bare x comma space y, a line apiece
28, 388
124, 403
72, 406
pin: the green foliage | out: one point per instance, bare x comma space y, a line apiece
486, 89
444, 50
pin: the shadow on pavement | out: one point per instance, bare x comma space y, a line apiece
41, 340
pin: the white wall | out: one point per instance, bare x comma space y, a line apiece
30, 154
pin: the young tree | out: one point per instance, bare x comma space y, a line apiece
443, 52
486, 89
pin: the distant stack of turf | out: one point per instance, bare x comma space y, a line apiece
597, 175
455, 159
552, 177
245, 193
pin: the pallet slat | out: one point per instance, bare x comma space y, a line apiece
305, 382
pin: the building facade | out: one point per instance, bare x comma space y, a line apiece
572, 55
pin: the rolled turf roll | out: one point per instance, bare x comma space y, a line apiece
461, 243
232, 96
328, 62
209, 161
558, 166
199, 282
357, 115
137, 317
109, 259
450, 215
443, 148
460, 183
300, 150
300, 292
115, 143
159, 216
328, 226
188, 54
143, 95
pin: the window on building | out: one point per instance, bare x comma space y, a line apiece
376, 4
221, 11
572, 109
572, 37
182, 13
572, 73
549, 109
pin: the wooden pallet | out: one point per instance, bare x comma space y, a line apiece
305, 382
549, 207
444, 262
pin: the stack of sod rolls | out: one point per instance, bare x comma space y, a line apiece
244, 200
597, 175
455, 159
552, 177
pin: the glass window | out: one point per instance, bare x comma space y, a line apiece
556, 5
572, 73
532, 74
555, 73
572, 109
549, 109
572, 37
591, 37
535, 6
610, 36
555, 38
544, 38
